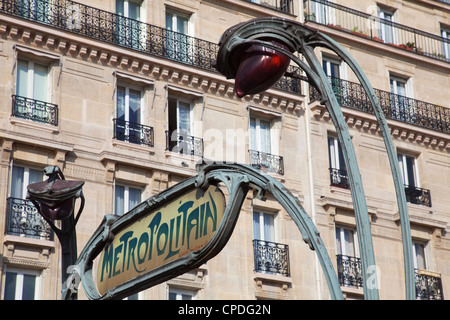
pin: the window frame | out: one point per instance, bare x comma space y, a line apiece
403, 163
179, 293
342, 249
30, 81
126, 197
273, 233
20, 273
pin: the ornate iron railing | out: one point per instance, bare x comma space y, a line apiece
133, 132
418, 195
339, 178
23, 219
428, 287
349, 271
423, 114
109, 27
384, 31
34, 110
271, 257
267, 161
286, 6
180, 142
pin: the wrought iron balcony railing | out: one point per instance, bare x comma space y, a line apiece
339, 178
133, 132
349, 271
267, 161
109, 27
428, 287
180, 142
384, 31
286, 6
24, 220
271, 257
396, 107
34, 110
418, 195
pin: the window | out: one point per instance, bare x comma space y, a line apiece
181, 127
408, 169
125, 199
260, 136
263, 226
129, 114
21, 285
418, 249
348, 262
269, 256
445, 33
402, 108
128, 31
32, 80
23, 217
178, 41
334, 70
32, 93
386, 25
345, 241
179, 294
264, 145
21, 178
338, 171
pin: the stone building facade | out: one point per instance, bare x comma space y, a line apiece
101, 89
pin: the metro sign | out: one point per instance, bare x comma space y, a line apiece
165, 234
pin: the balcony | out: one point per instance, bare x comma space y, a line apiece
266, 161
133, 132
109, 27
349, 271
182, 143
286, 6
396, 107
339, 178
372, 27
24, 220
428, 287
417, 195
271, 257
35, 110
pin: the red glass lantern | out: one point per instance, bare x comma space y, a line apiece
259, 68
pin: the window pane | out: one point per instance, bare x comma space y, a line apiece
133, 10
134, 198
419, 255
119, 200
120, 7
22, 78
268, 227
17, 182
256, 226
184, 121
40, 82
253, 143
265, 136
135, 106
410, 171
29, 286
34, 176
338, 241
349, 243
120, 103
169, 19
10, 286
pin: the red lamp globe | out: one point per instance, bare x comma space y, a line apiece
260, 68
